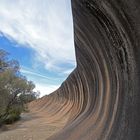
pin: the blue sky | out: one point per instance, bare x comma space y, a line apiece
40, 36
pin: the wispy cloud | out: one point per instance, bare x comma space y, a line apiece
44, 26
44, 84
30, 72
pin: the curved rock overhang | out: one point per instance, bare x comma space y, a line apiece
102, 95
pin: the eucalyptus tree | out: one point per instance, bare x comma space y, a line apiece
15, 89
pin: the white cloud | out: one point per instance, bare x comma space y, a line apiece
45, 89
45, 26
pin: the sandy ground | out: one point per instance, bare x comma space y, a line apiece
31, 127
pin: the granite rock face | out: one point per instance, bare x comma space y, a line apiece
102, 95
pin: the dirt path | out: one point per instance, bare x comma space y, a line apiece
32, 127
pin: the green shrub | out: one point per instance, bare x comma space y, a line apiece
12, 118
13, 115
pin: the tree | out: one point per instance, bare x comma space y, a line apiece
15, 89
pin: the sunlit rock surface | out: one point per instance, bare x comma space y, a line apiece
101, 98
